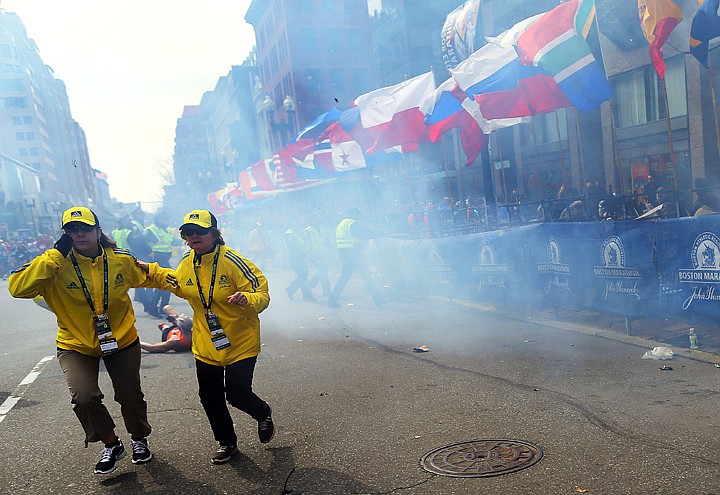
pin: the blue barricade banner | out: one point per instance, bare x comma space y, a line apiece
660, 269
689, 265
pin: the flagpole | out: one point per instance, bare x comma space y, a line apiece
670, 137
616, 149
557, 127
502, 164
583, 172
714, 100
541, 179
447, 174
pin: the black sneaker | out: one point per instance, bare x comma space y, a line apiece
223, 454
266, 429
141, 452
109, 457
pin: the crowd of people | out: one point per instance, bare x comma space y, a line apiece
651, 199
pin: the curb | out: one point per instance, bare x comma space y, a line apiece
693, 354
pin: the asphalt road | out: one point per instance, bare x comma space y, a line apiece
356, 408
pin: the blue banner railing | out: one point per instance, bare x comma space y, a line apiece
660, 269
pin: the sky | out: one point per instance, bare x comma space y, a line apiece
130, 67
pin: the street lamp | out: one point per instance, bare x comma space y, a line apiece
285, 129
30, 204
56, 208
289, 105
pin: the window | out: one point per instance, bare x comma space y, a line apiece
337, 79
27, 120
12, 85
33, 152
313, 78
13, 102
332, 40
17, 120
308, 40
10, 69
546, 128
20, 136
352, 6
30, 136
639, 97
23, 152
8, 51
355, 40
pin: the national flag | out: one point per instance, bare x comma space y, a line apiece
233, 194
347, 154
250, 188
556, 42
448, 106
349, 124
317, 164
445, 110
285, 173
317, 126
658, 18
295, 152
504, 88
392, 116
263, 175
218, 201
705, 26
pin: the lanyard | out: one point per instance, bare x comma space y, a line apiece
207, 303
84, 286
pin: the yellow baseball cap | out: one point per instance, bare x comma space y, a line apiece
201, 218
79, 214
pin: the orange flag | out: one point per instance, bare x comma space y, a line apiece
658, 18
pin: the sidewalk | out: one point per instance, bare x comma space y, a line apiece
644, 332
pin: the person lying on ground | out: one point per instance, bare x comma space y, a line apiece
176, 334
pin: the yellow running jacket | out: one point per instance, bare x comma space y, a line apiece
53, 277
240, 323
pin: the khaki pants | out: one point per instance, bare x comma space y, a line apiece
123, 367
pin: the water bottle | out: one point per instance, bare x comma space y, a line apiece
693, 339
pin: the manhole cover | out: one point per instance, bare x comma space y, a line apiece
481, 458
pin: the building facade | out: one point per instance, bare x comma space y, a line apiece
45, 166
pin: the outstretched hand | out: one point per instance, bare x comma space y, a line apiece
143, 266
238, 298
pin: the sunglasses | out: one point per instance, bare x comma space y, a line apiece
82, 227
188, 231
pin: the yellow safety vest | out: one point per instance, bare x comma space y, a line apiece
164, 239
121, 238
343, 237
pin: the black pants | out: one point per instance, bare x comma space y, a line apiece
234, 383
352, 261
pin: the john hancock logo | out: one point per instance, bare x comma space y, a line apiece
119, 280
618, 278
491, 273
224, 282
705, 274
558, 273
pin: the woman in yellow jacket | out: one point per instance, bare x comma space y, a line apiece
227, 292
85, 280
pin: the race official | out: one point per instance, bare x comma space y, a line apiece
85, 279
227, 293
